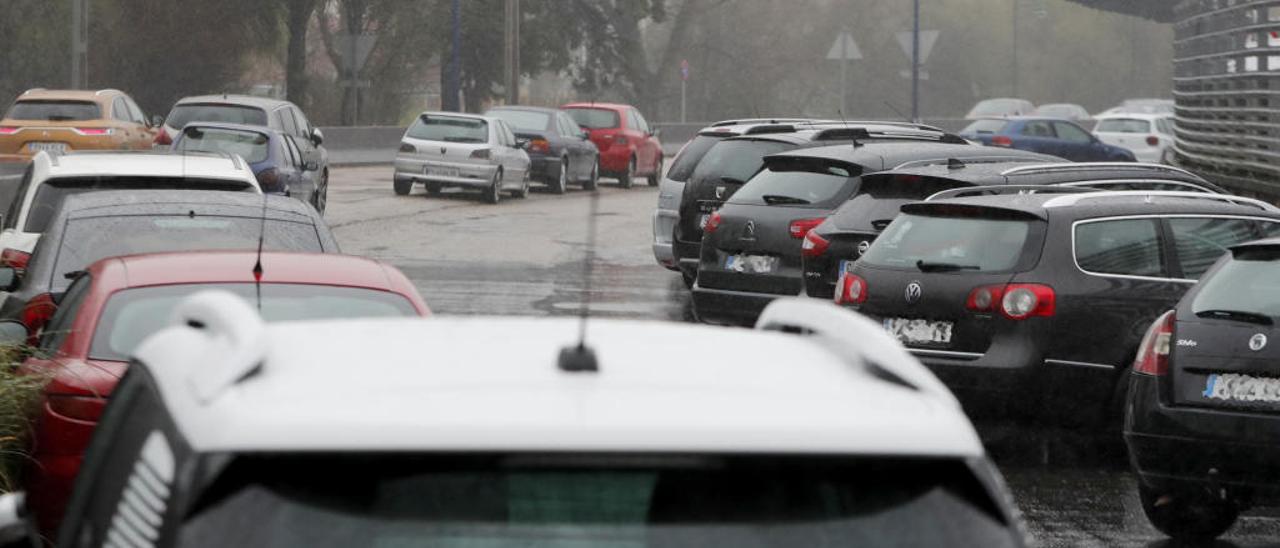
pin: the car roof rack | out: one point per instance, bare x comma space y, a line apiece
770, 128
1067, 201
998, 190
737, 122
966, 161
1094, 166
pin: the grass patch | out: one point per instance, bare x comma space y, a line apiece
19, 395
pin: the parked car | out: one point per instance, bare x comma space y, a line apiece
1059, 138
281, 116
516, 445
1031, 307
445, 149
51, 178
66, 120
275, 159
89, 227
1065, 111
559, 151
628, 147
1148, 136
1200, 418
833, 246
119, 301
1003, 107
1143, 106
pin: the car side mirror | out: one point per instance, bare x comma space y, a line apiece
12, 333
9, 278
585, 135
316, 136
157, 120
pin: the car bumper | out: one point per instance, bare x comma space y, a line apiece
544, 167
664, 225
722, 306
469, 174
1148, 155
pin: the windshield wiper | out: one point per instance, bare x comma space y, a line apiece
1238, 315
775, 199
944, 267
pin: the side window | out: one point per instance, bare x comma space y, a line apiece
1165, 126
633, 121
120, 111
1128, 247
1270, 229
134, 111
571, 126
288, 125
506, 137
1072, 132
1037, 129
19, 196
59, 326
293, 152
304, 126
1199, 242
644, 124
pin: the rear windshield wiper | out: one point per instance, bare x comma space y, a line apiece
1238, 315
775, 199
732, 180
944, 267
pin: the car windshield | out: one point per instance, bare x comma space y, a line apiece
51, 194
133, 314
594, 118
451, 129
526, 120
587, 500
984, 126
184, 114
962, 244
54, 111
1256, 270
253, 146
1123, 125
85, 240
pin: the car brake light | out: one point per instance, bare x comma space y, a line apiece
800, 227
162, 138
713, 222
814, 245
269, 180
539, 145
851, 289
36, 314
987, 298
8, 130
480, 154
14, 259
85, 408
406, 147
1153, 353
1002, 141
93, 131
1022, 301
1153, 140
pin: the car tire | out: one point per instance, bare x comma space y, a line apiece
1190, 517
493, 193
320, 198
434, 189
559, 183
404, 186
624, 179
656, 176
594, 179
523, 191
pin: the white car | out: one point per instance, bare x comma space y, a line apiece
232, 432
1148, 136
447, 149
1000, 107
50, 178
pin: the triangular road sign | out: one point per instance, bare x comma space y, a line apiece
927, 39
844, 48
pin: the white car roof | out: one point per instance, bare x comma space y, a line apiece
154, 164
494, 384
1149, 116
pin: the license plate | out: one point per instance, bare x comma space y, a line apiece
926, 332
751, 264
441, 171
47, 147
1234, 387
846, 267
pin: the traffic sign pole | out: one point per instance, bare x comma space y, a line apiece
684, 80
915, 64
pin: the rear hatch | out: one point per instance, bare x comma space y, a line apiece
723, 170
447, 138
1130, 133
755, 245
921, 271
52, 125
602, 124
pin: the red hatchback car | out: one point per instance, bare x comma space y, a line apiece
629, 148
119, 301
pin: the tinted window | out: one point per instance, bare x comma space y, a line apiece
578, 500
974, 244
689, 157
250, 145
133, 314
527, 120
1037, 129
1123, 125
880, 197
87, 240
1129, 247
1200, 242
985, 126
59, 326
1072, 132
16, 194
594, 118
796, 183
135, 112
450, 128
292, 150
304, 125
288, 123
231, 114
51, 194
737, 159
1258, 270
55, 111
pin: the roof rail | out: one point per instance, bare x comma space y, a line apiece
1067, 201
770, 128
997, 190
1088, 166
852, 336
967, 161
229, 337
740, 121
33, 89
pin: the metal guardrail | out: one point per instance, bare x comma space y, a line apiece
1227, 89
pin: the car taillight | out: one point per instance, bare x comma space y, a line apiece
1002, 141
14, 259
36, 314
162, 138
93, 130
814, 245
480, 154
8, 130
1022, 301
406, 147
1153, 353
851, 289
269, 180
619, 139
1153, 140
800, 227
713, 222
539, 145
85, 408
987, 298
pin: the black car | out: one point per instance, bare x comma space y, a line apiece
1030, 307
559, 151
849, 231
751, 254
1200, 422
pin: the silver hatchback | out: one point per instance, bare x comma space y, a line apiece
446, 149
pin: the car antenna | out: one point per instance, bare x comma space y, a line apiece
257, 265
580, 358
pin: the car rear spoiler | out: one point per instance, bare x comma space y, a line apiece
973, 210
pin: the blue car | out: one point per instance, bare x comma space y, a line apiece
1054, 136
275, 158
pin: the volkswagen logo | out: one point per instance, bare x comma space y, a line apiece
913, 292
720, 193
863, 246
443, 150
1257, 342
749, 230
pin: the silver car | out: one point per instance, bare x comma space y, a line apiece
447, 149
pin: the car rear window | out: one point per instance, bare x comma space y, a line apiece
1123, 125
133, 314
526, 120
881, 196
1256, 269
89, 239
798, 183
253, 146
55, 111
735, 159
585, 500
594, 118
181, 115
692, 153
451, 129
51, 194
985, 126
969, 243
